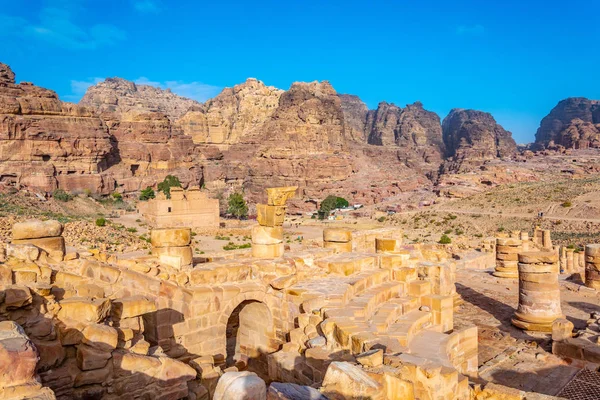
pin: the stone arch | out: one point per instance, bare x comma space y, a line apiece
250, 331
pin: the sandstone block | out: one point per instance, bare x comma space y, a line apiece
270, 215
129, 307
592, 250
371, 358
291, 391
267, 250
279, 196
16, 296
52, 353
562, 329
338, 247
25, 252
18, 354
339, 235
84, 309
49, 244
508, 249
91, 358
94, 376
176, 257
267, 234
534, 257
240, 386
508, 242
101, 337
346, 381
385, 245
35, 228
170, 237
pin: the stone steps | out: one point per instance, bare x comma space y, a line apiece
409, 325
389, 312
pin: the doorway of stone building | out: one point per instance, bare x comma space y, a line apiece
250, 337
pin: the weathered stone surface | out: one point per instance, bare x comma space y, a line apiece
267, 234
472, 137
16, 296
130, 307
101, 337
291, 391
355, 117
35, 228
573, 123
18, 354
240, 386
278, 196
339, 235
167, 237
91, 357
344, 380
84, 309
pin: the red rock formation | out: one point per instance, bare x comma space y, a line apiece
472, 137
573, 123
46, 143
355, 117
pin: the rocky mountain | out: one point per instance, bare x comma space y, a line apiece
116, 95
573, 123
472, 137
46, 143
355, 117
232, 114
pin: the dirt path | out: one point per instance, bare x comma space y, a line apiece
501, 214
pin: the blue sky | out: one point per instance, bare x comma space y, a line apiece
515, 59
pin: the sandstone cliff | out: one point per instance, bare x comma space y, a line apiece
116, 95
472, 137
232, 114
355, 117
46, 143
573, 123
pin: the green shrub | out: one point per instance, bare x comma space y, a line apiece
445, 239
341, 202
237, 206
381, 219
147, 194
166, 185
566, 204
117, 196
132, 230
330, 203
61, 195
447, 231
100, 221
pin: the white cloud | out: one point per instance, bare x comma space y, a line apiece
78, 89
56, 26
470, 30
147, 6
194, 90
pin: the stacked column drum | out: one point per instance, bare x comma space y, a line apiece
592, 266
507, 250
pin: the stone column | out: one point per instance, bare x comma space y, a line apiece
172, 247
547, 239
339, 239
563, 259
267, 237
592, 266
524, 240
515, 234
539, 292
507, 250
570, 268
538, 237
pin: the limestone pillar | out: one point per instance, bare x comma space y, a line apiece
267, 236
539, 292
507, 250
563, 259
339, 239
581, 265
592, 266
172, 246
538, 236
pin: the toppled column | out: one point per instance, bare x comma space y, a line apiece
172, 246
592, 266
507, 250
46, 235
339, 239
539, 292
267, 237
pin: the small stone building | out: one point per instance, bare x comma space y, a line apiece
185, 208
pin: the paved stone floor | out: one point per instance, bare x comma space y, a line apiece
507, 355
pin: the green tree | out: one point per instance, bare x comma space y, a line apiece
147, 194
326, 206
341, 202
237, 206
445, 239
166, 185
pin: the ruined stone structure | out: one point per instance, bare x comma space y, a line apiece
539, 293
186, 208
267, 237
172, 247
592, 266
507, 250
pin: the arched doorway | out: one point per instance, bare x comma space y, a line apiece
250, 337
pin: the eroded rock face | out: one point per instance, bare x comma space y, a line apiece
234, 113
472, 137
116, 95
355, 117
46, 143
573, 123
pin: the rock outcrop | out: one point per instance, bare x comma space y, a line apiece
117, 95
46, 143
355, 117
472, 137
234, 113
573, 123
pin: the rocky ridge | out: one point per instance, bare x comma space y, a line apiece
573, 123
